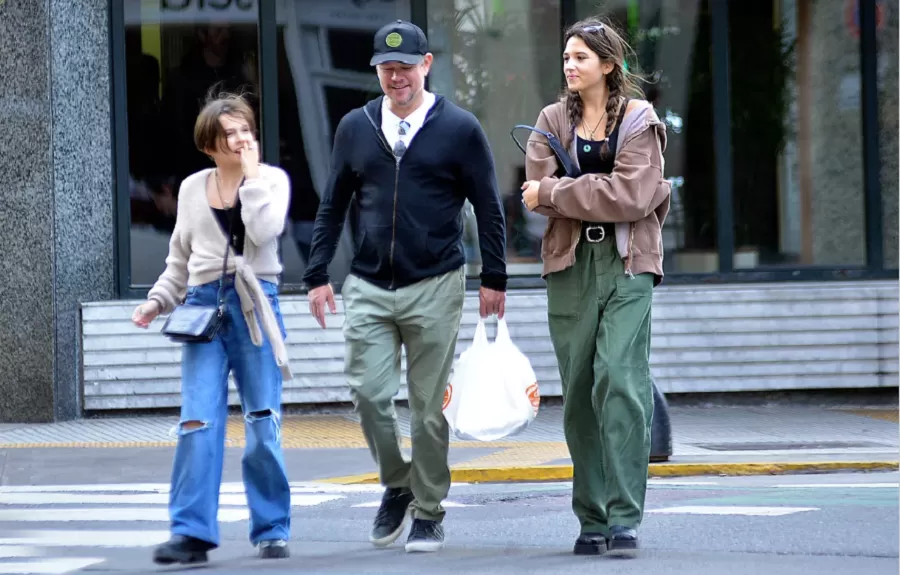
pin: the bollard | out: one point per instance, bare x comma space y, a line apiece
660, 428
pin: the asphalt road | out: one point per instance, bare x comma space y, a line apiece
787, 525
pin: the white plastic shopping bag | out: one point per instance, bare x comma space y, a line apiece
493, 392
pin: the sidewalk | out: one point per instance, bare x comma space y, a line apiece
706, 441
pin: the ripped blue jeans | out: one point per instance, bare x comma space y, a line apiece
197, 470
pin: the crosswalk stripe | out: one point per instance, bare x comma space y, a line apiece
107, 514
840, 485
237, 499
445, 504
10, 551
732, 510
51, 566
86, 538
229, 487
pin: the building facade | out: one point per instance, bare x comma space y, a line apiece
781, 245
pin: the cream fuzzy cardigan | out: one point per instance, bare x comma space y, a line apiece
197, 247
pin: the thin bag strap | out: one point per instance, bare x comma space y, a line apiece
221, 294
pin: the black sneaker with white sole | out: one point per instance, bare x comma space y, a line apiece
425, 536
391, 517
183, 550
273, 549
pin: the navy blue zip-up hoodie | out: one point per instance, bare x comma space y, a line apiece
410, 210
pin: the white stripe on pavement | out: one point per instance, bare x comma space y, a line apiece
840, 485
732, 510
107, 514
445, 504
237, 499
8, 551
85, 538
55, 566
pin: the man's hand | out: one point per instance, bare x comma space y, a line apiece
318, 297
492, 302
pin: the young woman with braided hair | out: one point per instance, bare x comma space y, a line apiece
602, 256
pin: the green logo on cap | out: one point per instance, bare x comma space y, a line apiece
393, 40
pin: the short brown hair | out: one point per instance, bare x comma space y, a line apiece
208, 133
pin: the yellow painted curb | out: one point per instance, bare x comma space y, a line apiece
564, 472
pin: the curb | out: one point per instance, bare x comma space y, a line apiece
564, 472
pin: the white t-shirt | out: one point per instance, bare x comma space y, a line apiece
390, 123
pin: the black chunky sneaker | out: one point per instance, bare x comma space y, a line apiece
391, 517
425, 536
590, 544
182, 549
273, 549
622, 541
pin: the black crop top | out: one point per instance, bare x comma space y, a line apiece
238, 231
589, 158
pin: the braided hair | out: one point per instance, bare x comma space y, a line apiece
609, 45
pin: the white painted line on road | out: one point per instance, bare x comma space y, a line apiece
85, 538
55, 566
93, 499
297, 487
120, 487
108, 514
445, 504
19, 550
677, 482
227, 499
732, 510
841, 485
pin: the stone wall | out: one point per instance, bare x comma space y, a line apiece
56, 187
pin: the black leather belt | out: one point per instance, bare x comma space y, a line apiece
595, 233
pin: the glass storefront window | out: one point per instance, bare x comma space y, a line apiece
323, 72
672, 41
887, 16
500, 61
796, 135
174, 53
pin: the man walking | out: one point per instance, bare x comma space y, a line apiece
411, 158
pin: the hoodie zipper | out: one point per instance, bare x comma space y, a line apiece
384, 142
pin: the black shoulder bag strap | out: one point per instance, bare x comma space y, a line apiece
566, 163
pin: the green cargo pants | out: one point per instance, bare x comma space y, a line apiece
600, 327
425, 318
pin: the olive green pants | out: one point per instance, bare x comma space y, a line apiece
424, 318
600, 327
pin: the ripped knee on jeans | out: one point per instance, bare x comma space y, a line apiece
261, 414
191, 426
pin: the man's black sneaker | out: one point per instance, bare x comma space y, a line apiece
425, 536
622, 541
182, 549
590, 544
273, 549
391, 517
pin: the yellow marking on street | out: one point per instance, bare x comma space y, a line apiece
891, 415
520, 455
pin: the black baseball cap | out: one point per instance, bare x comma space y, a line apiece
399, 41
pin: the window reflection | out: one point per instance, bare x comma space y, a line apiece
174, 53
500, 61
323, 72
672, 41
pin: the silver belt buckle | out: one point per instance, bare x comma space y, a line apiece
597, 238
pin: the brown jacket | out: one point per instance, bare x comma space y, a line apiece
635, 196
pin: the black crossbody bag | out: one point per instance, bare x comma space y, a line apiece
200, 323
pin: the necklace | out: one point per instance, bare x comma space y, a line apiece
588, 147
219, 190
